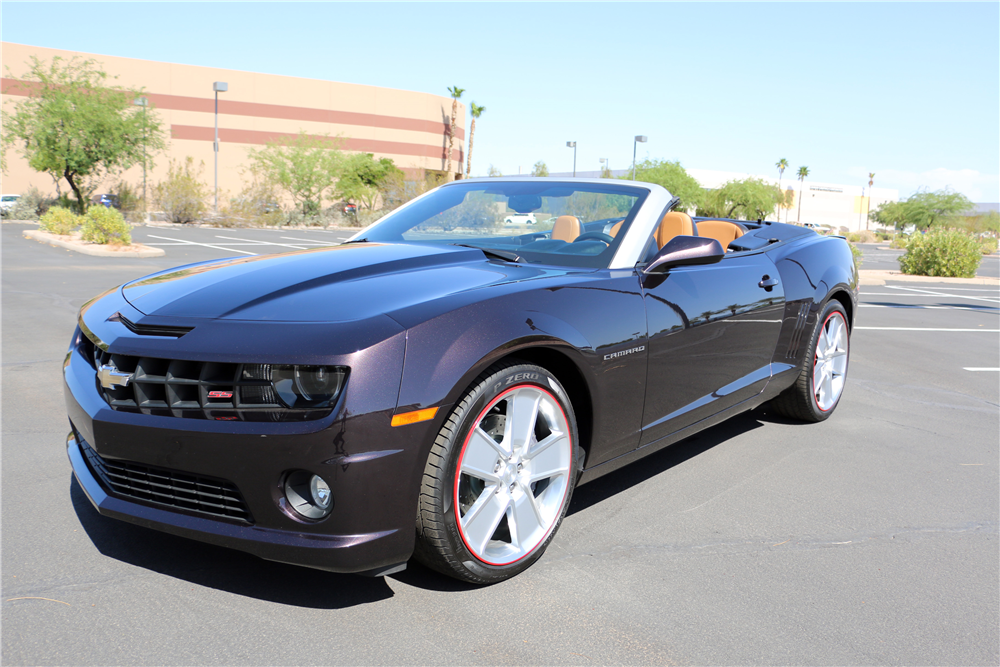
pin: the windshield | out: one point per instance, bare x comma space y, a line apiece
548, 222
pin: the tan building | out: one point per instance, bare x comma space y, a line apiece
410, 128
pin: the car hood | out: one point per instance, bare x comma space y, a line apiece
336, 284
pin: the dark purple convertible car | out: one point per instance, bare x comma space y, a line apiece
438, 385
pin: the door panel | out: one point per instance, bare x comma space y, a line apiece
712, 332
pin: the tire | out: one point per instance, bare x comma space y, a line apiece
499, 476
823, 372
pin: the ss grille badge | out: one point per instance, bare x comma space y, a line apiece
220, 394
111, 377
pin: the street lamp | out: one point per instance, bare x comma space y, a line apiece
143, 102
218, 87
639, 139
572, 144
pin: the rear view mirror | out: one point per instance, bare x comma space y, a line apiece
685, 251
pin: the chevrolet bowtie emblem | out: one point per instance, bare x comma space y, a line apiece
112, 377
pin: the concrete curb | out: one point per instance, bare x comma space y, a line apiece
208, 225
879, 277
75, 244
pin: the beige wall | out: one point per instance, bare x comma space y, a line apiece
408, 127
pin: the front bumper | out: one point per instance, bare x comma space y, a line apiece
363, 553
373, 470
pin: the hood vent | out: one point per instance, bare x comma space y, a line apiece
149, 329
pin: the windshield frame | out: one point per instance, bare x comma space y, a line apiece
390, 228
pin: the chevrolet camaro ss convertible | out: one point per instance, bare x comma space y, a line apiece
437, 386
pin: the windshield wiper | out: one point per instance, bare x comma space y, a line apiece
490, 252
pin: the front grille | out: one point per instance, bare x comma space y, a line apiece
194, 389
159, 486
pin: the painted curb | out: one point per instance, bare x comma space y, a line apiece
76, 245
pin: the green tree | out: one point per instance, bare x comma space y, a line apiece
540, 169
803, 172
747, 199
456, 93
476, 111
364, 179
782, 165
75, 126
493, 172
305, 168
674, 178
925, 210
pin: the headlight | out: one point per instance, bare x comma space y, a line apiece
308, 386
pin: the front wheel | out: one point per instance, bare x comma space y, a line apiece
823, 372
499, 477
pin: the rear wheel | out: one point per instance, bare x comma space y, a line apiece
499, 477
823, 372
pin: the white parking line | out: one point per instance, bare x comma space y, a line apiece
995, 370
204, 245
924, 329
984, 309
309, 241
253, 242
930, 291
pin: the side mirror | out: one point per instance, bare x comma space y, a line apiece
685, 251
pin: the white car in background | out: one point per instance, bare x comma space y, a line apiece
519, 219
7, 202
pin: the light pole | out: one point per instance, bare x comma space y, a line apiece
861, 207
639, 139
607, 166
218, 87
143, 102
572, 144
868, 208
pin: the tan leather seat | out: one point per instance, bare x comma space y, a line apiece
723, 231
674, 224
614, 230
566, 228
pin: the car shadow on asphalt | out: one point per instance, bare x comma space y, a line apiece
223, 569
636, 473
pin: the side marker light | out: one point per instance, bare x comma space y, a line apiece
405, 418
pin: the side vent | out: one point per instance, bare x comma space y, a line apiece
800, 326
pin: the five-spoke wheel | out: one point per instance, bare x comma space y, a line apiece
823, 370
499, 477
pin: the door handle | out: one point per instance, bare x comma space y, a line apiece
767, 282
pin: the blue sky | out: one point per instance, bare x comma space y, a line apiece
910, 91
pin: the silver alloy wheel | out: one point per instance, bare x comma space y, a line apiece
830, 365
513, 475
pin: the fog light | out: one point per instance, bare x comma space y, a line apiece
308, 494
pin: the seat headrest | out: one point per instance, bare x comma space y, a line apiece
566, 228
674, 224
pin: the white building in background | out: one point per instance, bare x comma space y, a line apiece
832, 204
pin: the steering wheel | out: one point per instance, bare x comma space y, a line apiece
594, 236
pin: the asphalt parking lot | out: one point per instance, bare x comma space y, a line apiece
871, 538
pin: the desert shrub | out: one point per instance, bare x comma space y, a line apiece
864, 236
941, 252
182, 195
31, 205
257, 205
988, 246
899, 242
130, 201
58, 220
106, 226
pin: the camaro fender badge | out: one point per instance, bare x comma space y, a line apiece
111, 377
615, 355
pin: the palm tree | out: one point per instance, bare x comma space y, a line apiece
782, 165
871, 182
803, 172
456, 93
477, 111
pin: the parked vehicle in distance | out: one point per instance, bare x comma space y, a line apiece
519, 219
437, 386
7, 202
106, 200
